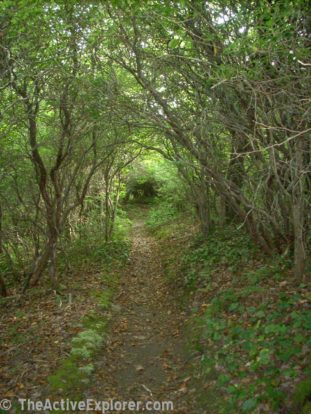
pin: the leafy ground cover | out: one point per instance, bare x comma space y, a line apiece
50, 339
73, 373
250, 320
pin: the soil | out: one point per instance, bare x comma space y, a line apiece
146, 357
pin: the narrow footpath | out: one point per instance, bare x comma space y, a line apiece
145, 357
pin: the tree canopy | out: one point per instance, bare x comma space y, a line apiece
220, 89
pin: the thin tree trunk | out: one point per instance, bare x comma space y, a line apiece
38, 267
41, 264
298, 210
203, 211
114, 212
107, 211
52, 267
3, 291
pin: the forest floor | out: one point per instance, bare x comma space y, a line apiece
127, 327
146, 357
145, 354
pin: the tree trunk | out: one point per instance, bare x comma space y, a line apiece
298, 210
52, 267
107, 211
114, 212
1, 235
3, 291
41, 264
203, 211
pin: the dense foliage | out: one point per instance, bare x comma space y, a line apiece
219, 89
253, 330
203, 108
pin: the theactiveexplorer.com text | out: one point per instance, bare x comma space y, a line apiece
107, 406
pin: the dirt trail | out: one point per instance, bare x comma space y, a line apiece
145, 358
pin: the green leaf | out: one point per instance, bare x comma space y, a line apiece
173, 43
249, 405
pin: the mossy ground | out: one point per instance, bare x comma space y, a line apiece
74, 372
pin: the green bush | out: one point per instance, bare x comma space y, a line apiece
229, 247
122, 226
92, 253
161, 214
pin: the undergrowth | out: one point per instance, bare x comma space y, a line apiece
250, 324
88, 250
254, 328
74, 372
161, 214
229, 248
89, 254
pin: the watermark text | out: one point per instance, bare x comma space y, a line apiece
105, 407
